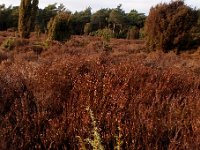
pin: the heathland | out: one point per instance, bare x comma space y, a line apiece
46, 88
94, 90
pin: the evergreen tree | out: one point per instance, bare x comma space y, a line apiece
59, 27
168, 26
117, 20
27, 15
99, 19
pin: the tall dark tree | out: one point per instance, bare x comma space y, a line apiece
8, 17
136, 19
27, 14
117, 19
79, 19
44, 16
99, 19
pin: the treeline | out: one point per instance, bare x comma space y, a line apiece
82, 22
8, 17
168, 26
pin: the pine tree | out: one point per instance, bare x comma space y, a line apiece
27, 15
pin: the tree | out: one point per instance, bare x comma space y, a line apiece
61, 8
8, 17
99, 19
59, 27
44, 15
79, 19
136, 19
117, 20
27, 15
168, 26
14, 17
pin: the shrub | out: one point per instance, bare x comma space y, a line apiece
168, 26
59, 27
105, 33
9, 44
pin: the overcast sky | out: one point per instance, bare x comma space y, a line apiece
141, 6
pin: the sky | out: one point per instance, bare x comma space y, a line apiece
142, 6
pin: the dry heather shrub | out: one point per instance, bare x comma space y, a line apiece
168, 26
42, 103
59, 27
3, 56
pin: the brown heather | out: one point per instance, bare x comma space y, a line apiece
153, 98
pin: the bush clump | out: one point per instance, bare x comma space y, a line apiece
59, 27
168, 26
105, 33
9, 44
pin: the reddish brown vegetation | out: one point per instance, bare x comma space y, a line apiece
153, 98
171, 26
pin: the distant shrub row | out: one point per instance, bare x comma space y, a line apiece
168, 27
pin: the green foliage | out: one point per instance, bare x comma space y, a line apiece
106, 34
168, 26
117, 16
96, 140
9, 44
27, 16
99, 19
136, 19
50, 11
59, 27
117, 21
79, 19
8, 17
83, 22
